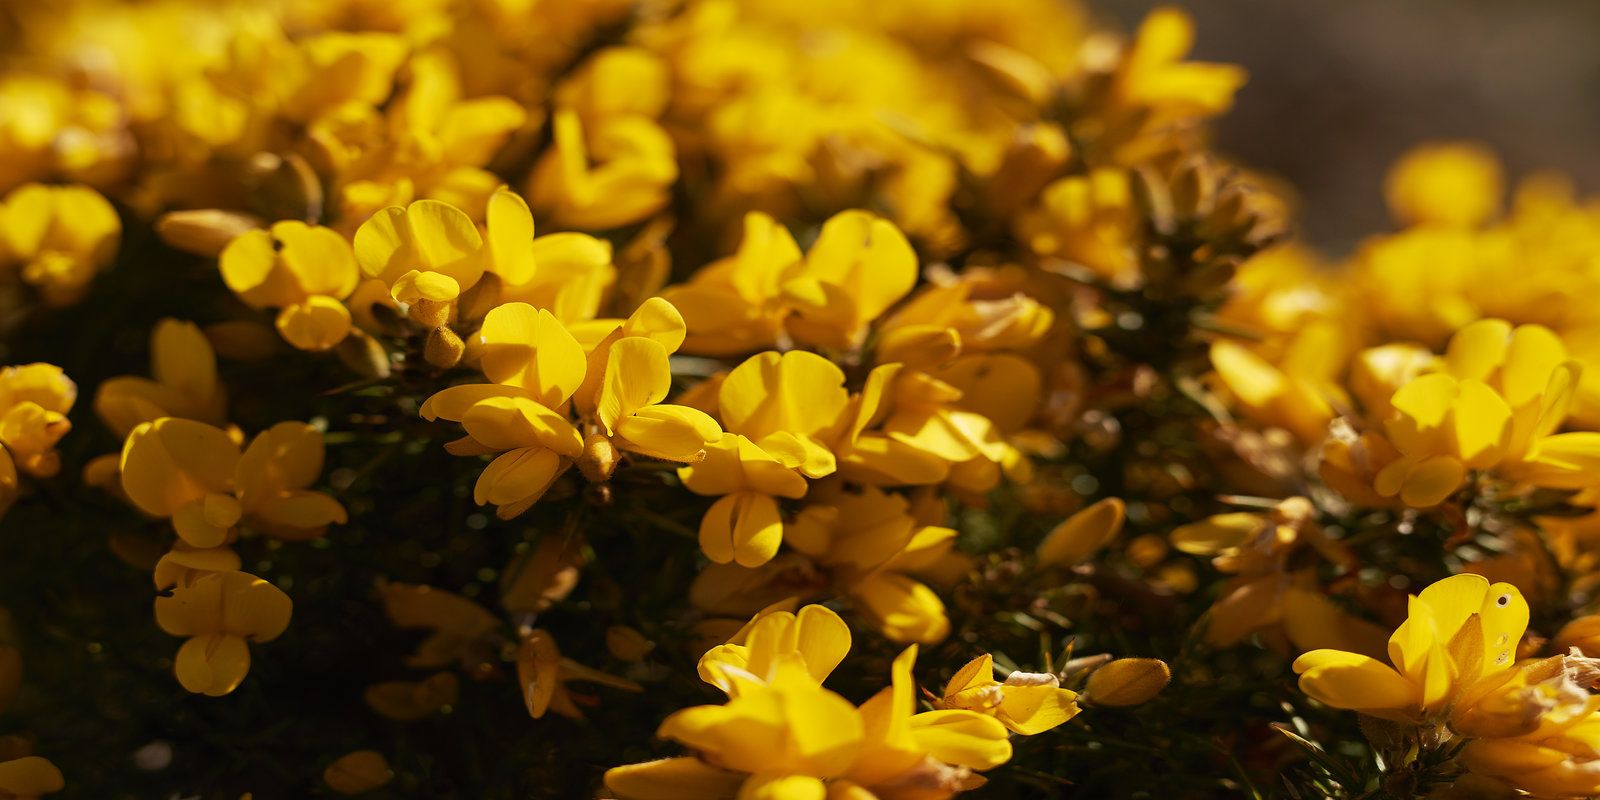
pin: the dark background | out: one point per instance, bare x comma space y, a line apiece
1339, 88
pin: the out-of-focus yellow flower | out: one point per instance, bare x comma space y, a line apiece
219, 615
1456, 184
1153, 90
858, 268
196, 476
303, 270
1495, 402
1088, 220
34, 401
605, 174
1025, 702
185, 385
58, 238
1459, 631
29, 777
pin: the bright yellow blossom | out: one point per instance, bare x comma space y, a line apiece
219, 615
303, 270
196, 476
1459, 632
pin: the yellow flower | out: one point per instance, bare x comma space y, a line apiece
1458, 632
629, 410
303, 270
745, 525
34, 401
1497, 400
604, 174
59, 236
816, 634
871, 545
428, 250
566, 273
196, 476
1026, 703
219, 614
185, 383
29, 777
1088, 220
1538, 730
1455, 184
781, 734
858, 268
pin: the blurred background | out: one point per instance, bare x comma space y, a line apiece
1339, 88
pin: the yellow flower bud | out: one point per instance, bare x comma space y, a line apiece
1082, 534
443, 348
204, 232
627, 644
1127, 682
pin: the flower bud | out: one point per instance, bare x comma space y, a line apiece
1127, 682
363, 355
599, 458
1082, 534
443, 348
429, 313
204, 232
627, 644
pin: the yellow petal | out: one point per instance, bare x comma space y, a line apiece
961, 737
1477, 350
636, 375
1356, 682
1030, 710
1218, 533
673, 779
315, 325
673, 433
171, 462
518, 476
905, 610
510, 238
744, 527
795, 392
530, 348
213, 665
508, 423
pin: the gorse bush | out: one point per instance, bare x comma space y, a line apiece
796, 401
